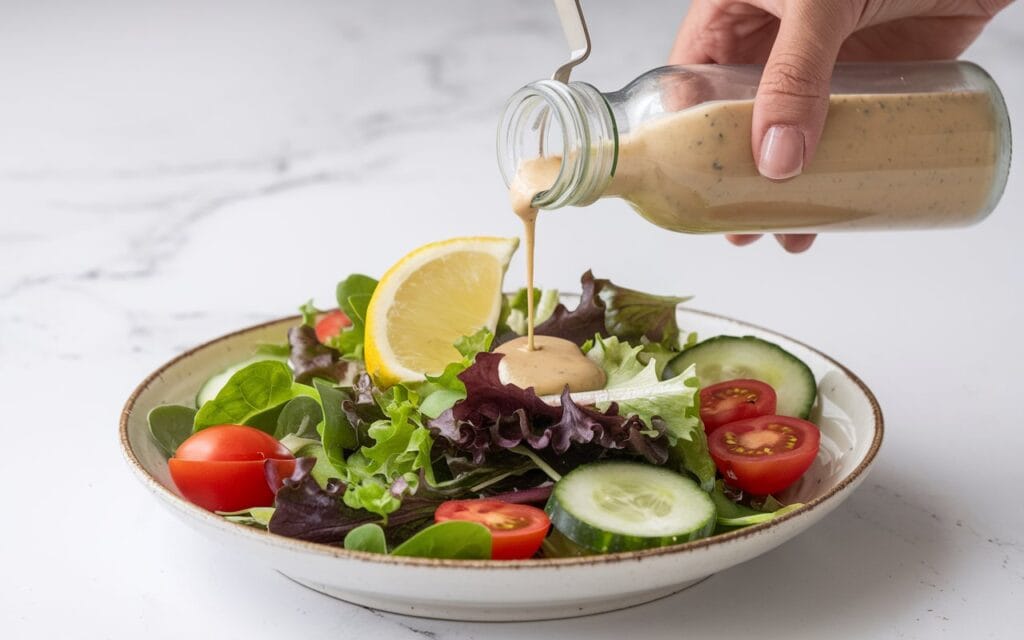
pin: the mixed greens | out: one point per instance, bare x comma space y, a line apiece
368, 467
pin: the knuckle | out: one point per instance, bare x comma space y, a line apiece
989, 8
794, 74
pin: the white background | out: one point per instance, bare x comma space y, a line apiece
173, 171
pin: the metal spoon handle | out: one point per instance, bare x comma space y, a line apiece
570, 12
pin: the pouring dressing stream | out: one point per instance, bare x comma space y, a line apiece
546, 363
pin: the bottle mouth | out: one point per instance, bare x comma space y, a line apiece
549, 125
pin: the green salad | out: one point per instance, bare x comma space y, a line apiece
690, 437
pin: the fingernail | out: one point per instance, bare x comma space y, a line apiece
782, 153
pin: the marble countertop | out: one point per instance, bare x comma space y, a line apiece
173, 171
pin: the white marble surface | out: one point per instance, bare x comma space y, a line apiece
173, 171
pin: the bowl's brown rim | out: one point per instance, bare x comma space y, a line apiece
339, 552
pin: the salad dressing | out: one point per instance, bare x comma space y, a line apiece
552, 364
532, 178
545, 363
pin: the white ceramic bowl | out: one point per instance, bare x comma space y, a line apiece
847, 412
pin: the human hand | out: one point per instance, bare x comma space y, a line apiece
799, 42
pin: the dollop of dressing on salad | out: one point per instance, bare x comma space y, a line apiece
549, 366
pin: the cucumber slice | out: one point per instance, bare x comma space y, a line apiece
729, 357
215, 383
625, 506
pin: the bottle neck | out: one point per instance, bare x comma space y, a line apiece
572, 123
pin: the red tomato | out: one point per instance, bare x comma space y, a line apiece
765, 454
330, 324
517, 530
221, 468
734, 400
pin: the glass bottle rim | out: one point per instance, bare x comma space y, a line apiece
574, 116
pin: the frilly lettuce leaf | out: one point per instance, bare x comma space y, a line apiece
497, 417
401, 442
638, 391
386, 443
608, 309
619, 361
634, 315
443, 391
309, 313
580, 324
305, 510
514, 310
658, 354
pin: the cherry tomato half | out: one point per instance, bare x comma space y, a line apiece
330, 324
517, 530
734, 400
222, 468
765, 454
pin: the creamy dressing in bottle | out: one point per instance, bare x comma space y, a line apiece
884, 161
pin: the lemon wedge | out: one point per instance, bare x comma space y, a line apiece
428, 300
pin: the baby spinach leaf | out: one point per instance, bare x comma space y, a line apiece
266, 420
250, 392
354, 294
337, 434
300, 416
170, 425
368, 537
454, 539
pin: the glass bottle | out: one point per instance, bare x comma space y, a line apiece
905, 146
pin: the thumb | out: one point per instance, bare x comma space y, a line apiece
792, 98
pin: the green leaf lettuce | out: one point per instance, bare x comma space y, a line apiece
637, 390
